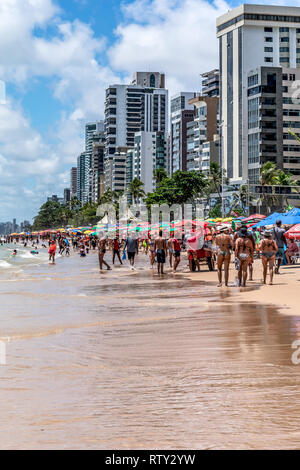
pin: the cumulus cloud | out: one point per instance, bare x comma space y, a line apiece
177, 37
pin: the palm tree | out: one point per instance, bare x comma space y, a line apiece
135, 189
269, 177
216, 178
286, 179
240, 200
160, 174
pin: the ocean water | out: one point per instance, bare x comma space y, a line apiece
23, 258
127, 360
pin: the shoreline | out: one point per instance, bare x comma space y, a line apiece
283, 295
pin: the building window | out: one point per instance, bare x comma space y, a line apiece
268, 39
152, 81
268, 30
284, 30
285, 39
268, 59
284, 59
268, 49
253, 80
253, 113
284, 49
253, 148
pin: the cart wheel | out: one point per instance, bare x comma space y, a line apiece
211, 263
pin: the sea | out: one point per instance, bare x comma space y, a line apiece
127, 360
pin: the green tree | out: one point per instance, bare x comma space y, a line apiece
215, 212
269, 177
49, 216
136, 189
182, 187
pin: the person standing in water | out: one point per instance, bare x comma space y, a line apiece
52, 251
132, 246
268, 249
171, 251
176, 253
244, 252
101, 252
152, 253
160, 248
116, 250
224, 244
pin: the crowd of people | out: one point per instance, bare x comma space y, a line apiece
223, 245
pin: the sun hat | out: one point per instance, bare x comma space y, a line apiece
223, 227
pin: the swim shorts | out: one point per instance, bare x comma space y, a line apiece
177, 254
161, 256
131, 255
280, 253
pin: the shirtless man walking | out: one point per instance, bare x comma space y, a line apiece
224, 243
161, 248
268, 249
244, 250
101, 252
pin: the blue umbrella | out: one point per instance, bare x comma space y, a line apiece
270, 220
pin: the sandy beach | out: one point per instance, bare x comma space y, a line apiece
126, 360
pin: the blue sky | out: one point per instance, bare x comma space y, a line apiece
57, 58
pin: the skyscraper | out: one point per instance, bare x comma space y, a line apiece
181, 113
259, 50
149, 154
140, 106
73, 182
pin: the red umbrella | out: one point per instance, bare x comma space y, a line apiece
254, 217
294, 232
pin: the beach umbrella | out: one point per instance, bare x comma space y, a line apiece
293, 232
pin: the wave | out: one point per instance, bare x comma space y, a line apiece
5, 265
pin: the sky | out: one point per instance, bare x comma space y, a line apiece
57, 58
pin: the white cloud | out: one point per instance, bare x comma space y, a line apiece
176, 37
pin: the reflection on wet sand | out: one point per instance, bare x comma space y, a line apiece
131, 361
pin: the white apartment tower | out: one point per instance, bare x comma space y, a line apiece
259, 51
140, 106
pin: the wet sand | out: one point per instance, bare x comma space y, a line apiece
126, 360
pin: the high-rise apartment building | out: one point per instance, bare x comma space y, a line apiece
150, 153
140, 106
73, 182
96, 172
259, 51
90, 129
67, 195
83, 167
181, 114
204, 130
211, 83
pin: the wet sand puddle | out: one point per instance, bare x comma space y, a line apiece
127, 360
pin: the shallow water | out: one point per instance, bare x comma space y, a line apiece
127, 360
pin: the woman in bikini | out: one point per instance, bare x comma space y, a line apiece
152, 252
244, 250
268, 249
224, 243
